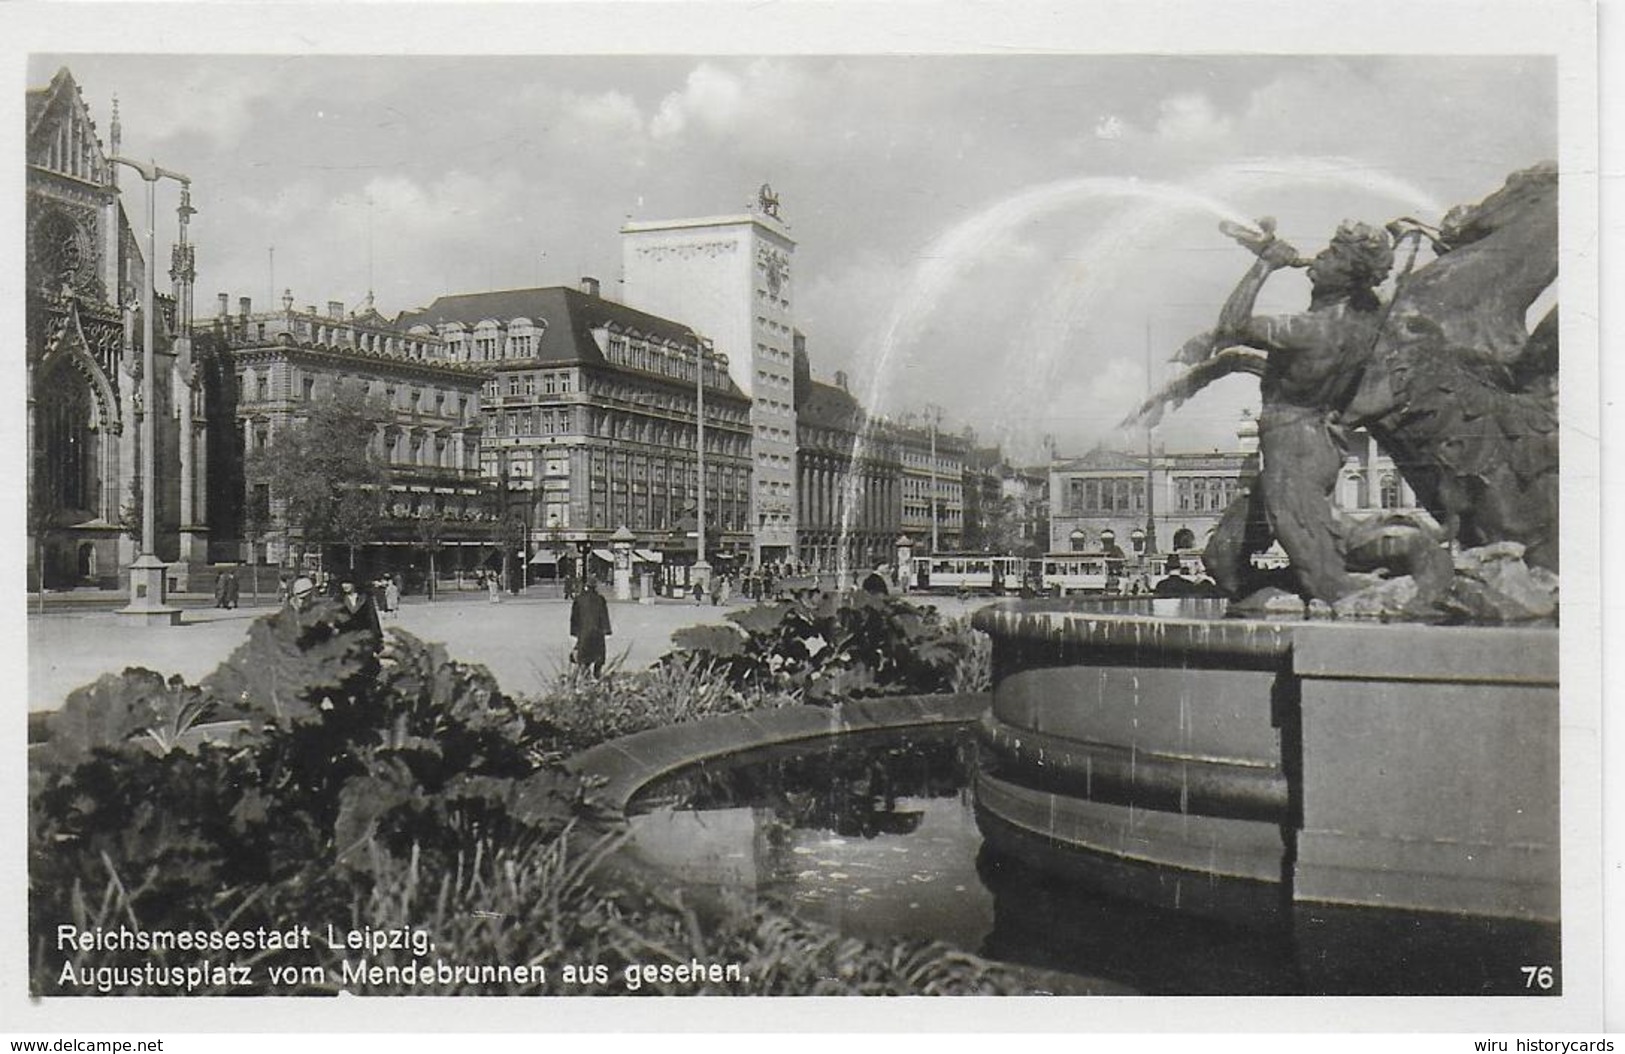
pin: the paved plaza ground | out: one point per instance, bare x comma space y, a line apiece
523, 640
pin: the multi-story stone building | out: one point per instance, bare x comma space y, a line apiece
730, 278
590, 420
84, 362
274, 366
1162, 501
849, 478
1004, 505
932, 460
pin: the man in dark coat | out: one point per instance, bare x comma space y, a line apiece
357, 611
589, 625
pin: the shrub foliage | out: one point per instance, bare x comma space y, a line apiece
322, 776
826, 647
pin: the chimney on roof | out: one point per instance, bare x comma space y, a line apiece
225, 304
244, 305
310, 309
589, 285
335, 309
840, 380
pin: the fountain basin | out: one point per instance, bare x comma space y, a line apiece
1269, 768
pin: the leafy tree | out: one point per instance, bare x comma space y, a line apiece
431, 535
326, 473
45, 519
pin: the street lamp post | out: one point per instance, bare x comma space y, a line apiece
702, 568
934, 413
148, 584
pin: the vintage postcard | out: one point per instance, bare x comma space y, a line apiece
1086, 516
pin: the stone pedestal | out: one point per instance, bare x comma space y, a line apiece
149, 594
1324, 766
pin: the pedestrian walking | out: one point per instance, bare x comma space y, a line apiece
392, 596
494, 586
220, 590
359, 611
233, 590
589, 625
699, 592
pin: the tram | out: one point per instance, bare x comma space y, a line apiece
969, 573
1067, 573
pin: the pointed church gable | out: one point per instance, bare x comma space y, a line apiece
61, 134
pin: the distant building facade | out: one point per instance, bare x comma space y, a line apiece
849, 478
730, 278
1165, 501
590, 411
932, 461
83, 364
1005, 506
275, 366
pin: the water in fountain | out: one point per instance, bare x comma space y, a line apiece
1073, 298
1072, 295
952, 254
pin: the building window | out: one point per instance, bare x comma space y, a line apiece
262, 388
486, 341
1389, 491
309, 385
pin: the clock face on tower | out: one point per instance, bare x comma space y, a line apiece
778, 272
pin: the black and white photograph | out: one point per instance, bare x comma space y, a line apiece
1060, 512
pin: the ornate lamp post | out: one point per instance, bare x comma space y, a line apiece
620, 545
148, 585
905, 561
702, 351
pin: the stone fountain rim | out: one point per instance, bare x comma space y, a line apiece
628, 764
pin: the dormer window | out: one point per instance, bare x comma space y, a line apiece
521, 339
487, 342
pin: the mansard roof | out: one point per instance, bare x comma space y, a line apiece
570, 317
821, 405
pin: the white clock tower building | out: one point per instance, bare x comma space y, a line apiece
729, 277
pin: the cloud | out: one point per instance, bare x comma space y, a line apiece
608, 115
1191, 118
711, 97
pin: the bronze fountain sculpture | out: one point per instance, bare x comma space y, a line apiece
1448, 378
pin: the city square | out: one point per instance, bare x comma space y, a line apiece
1124, 565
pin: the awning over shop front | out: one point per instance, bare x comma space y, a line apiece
545, 556
648, 556
604, 555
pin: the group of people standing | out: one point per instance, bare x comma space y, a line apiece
226, 590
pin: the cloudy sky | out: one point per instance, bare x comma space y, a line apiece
1012, 238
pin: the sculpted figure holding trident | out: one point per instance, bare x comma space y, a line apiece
1311, 365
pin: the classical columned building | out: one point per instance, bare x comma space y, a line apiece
729, 277
591, 422
277, 365
84, 361
1174, 500
848, 478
